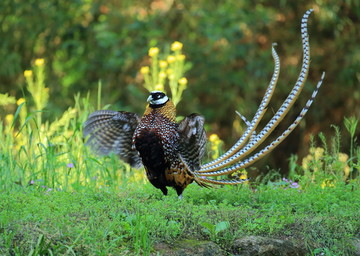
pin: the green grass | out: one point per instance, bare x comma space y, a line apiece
56, 198
133, 219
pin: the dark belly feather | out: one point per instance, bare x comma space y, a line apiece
151, 151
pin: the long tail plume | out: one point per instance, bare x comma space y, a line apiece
235, 158
258, 115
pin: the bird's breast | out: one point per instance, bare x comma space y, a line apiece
156, 135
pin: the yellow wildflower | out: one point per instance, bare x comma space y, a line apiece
306, 160
169, 71
243, 176
39, 62
19, 101
138, 177
144, 70
159, 87
162, 74
183, 81
153, 51
327, 183
343, 157
323, 185
9, 118
318, 153
163, 64
28, 73
176, 46
171, 76
181, 57
215, 145
346, 171
171, 59
214, 137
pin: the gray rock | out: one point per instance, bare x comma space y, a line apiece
356, 244
257, 245
189, 248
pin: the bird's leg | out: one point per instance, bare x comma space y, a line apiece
179, 191
164, 190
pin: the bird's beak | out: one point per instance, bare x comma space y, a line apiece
149, 98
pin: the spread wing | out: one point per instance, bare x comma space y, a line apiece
192, 141
112, 131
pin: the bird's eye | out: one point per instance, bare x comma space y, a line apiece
158, 95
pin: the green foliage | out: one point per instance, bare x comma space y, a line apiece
140, 233
134, 219
351, 125
67, 205
51, 155
42, 247
327, 165
214, 230
228, 44
5, 99
36, 85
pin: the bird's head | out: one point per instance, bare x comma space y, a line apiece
161, 104
157, 99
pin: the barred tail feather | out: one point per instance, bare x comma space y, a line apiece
276, 119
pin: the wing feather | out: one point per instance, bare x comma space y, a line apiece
112, 131
192, 144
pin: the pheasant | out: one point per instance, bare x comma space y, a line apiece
171, 152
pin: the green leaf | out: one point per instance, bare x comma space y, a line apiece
208, 227
221, 226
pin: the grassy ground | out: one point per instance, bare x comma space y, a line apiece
56, 198
130, 221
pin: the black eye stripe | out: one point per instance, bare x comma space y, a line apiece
158, 95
